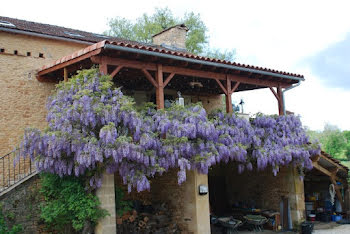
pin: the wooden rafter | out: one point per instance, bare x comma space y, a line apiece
332, 162
67, 63
150, 78
318, 167
115, 71
125, 62
168, 79
235, 87
221, 86
274, 93
188, 71
337, 191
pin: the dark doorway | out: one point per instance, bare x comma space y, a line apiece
217, 195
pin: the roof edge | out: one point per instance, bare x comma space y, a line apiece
35, 34
111, 46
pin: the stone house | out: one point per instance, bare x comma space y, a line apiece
33, 57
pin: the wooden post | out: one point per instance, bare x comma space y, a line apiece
103, 68
280, 101
65, 74
228, 95
337, 191
160, 88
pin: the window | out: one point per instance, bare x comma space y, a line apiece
102, 36
41, 55
29, 54
6, 23
15, 52
73, 34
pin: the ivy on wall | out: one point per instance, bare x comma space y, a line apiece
68, 204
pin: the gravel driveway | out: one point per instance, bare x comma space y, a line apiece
343, 229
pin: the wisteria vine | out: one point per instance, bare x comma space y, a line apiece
93, 127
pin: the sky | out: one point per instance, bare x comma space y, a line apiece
311, 38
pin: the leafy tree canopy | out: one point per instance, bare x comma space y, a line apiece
147, 25
333, 141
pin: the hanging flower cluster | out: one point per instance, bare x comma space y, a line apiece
93, 127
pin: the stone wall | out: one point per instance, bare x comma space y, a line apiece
21, 206
23, 98
174, 37
209, 103
189, 210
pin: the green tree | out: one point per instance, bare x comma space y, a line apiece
347, 147
333, 140
147, 25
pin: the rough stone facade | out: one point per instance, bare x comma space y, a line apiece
21, 206
23, 98
173, 37
189, 210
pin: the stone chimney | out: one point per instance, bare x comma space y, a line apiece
173, 37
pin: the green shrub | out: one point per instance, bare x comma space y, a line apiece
121, 206
68, 203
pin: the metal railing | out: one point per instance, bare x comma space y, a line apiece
12, 173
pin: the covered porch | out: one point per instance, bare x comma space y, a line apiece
157, 74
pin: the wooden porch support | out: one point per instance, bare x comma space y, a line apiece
279, 98
116, 70
103, 68
160, 88
228, 96
228, 92
280, 101
333, 178
65, 74
337, 191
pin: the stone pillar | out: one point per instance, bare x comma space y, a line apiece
296, 197
106, 194
196, 209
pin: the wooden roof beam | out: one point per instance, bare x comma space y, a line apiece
332, 162
187, 71
325, 171
67, 63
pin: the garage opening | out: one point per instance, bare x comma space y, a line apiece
255, 200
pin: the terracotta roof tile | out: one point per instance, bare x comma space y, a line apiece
159, 49
334, 160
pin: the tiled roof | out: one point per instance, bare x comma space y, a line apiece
52, 30
334, 160
63, 32
163, 50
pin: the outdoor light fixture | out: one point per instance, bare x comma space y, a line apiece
203, 189
242, 103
